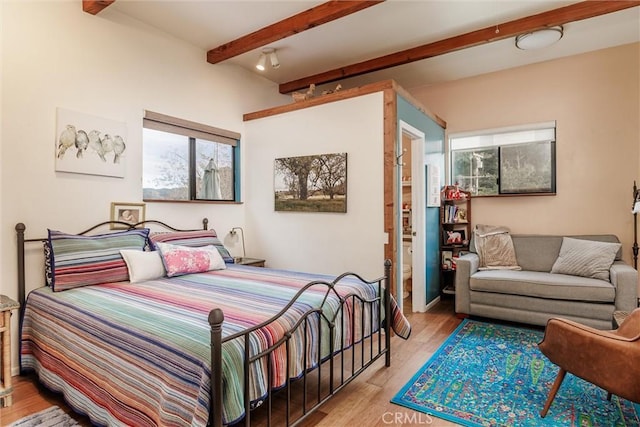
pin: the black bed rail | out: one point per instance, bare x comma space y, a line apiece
349, 305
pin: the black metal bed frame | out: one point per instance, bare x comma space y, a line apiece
348, 370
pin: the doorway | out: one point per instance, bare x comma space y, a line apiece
410, 218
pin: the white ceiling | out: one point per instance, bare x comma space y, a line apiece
388, 27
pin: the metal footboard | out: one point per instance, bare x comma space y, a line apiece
349, 360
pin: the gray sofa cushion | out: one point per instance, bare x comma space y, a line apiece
552, 307
543, 285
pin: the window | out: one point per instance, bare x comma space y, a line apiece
184, 161
518, 160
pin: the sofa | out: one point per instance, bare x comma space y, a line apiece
531, 293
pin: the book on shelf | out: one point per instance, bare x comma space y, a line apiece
450, 213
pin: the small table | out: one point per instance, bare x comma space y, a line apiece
6, 305
255, 262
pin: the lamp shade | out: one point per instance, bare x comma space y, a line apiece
275, 63
261, 62
539, 38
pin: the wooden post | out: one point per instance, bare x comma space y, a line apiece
6, 305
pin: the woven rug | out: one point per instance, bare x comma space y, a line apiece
493, 375
50, 417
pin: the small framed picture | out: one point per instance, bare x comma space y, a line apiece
454, 237
447, 257
130, 213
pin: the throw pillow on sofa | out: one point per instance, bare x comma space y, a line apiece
586, 258
495, 248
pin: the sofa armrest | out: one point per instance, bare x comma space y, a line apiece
625, 279
466, 266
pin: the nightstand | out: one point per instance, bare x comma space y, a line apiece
255, 262
6, 305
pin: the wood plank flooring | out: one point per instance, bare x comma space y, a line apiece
364, 402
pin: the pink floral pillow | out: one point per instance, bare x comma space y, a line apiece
179, 260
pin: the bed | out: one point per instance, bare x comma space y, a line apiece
140, 352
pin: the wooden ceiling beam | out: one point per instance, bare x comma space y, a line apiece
95, 6
560, 16
302, 21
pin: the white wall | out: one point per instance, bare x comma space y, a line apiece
319, 242
55, 55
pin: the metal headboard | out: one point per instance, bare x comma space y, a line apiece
20, 230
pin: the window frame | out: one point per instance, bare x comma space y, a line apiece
195, 132
504, 138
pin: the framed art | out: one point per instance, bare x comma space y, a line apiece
453, 237
131, 213
433, 186
90, 145
316, 183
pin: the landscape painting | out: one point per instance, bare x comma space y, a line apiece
316, 183
89, 145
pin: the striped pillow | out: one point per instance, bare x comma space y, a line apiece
192, 239
90, 260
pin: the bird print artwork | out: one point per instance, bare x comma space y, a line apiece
107, 145
98, 145
67, 140
118, 148
82, 141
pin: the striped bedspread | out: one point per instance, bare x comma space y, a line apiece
139, 354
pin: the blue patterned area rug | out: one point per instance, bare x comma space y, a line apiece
494, 375
50, 417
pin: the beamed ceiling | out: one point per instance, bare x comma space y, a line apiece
358, 42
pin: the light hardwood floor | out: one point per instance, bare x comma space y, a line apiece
364, 402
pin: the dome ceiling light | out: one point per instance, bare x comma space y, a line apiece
539, 38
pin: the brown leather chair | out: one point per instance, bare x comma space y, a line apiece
608, 359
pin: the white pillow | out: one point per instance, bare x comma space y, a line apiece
143, 266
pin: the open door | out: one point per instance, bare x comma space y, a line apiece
411, 179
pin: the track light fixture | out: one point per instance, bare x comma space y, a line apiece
261, 61
273, 59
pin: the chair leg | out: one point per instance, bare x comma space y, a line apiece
553, 391
609, 396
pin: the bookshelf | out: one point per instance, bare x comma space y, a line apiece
455, 232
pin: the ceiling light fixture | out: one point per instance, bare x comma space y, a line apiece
539, 38
261, 62
273, 59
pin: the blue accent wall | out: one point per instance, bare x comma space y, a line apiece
434, 152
